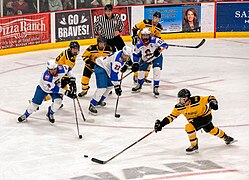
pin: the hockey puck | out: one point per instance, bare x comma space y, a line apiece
85, 156
80, 136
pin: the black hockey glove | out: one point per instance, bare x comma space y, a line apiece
135, 39
70, 94
118, 90
135, 67
157, 52
124, 68
72, 84
158, 125
213, 104
64, 81
129, 63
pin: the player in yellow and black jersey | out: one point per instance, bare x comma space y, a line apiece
67, 57
155, 28
197, 110
89, 57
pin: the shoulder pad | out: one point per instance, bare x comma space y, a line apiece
147, 21
195, 99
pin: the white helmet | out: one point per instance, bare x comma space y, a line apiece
127, 50
145, 31
51, 64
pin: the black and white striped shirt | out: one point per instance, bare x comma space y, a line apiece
106, 27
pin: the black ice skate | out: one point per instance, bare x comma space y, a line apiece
50, 116
230, 140
82, 93
137, 88
92, 110
22, 118
101, 103
192, 149
155, 91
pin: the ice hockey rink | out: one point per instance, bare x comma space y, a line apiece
38, 150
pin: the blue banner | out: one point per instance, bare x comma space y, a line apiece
232, 17
174, 18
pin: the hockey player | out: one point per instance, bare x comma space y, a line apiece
149, 49
50, 83
197, 110
67, 57
106, 71
155, 29
89, 57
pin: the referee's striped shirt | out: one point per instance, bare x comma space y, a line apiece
106, 27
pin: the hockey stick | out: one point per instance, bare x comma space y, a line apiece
183, 46
104, 162
76, 119
118, 115
81, 111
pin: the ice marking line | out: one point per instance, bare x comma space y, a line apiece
218, 57
194, 174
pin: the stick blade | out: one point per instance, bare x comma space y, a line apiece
98, 161
201, 43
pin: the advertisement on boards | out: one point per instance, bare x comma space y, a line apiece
73, 25
24, 30
177, 18
232, 17
124, 13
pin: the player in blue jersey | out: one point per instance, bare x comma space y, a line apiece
106, 71
50, 83
149, 49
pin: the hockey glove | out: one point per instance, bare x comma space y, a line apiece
124, 68
118, 90
70, 94
64, 81
213, 104
72, 84
157, 52
158, 125
135, 67
135, 39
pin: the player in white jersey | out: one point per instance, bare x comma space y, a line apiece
149, 49
106, 71
50, 83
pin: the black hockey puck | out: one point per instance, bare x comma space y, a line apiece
80, 136
86, 156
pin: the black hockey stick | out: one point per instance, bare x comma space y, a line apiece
76, 119
184, 46
104, 162
81, 111
116, 114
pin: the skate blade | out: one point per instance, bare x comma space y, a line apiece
91, 113
138, 91
234, 141
156, 96
193, 152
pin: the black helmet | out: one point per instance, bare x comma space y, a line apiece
108, 7
74, 44
157, 14
101, 39
184, 93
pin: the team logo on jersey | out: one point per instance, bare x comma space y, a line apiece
46, 76
60, 67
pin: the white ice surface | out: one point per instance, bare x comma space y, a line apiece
38, 150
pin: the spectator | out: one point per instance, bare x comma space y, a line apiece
191, 23
88, 3
17, 7
43, 5
55, 5
68, 4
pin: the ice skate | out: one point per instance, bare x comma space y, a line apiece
230, 140
192, 149
155, 91
137, 88
22, 118
92, 110
101, 103
50, 116
82, 93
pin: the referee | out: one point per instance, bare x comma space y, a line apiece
110, 25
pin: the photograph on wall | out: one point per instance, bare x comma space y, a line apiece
74, 25
123, 12
232, 17
177, 18
24, 30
